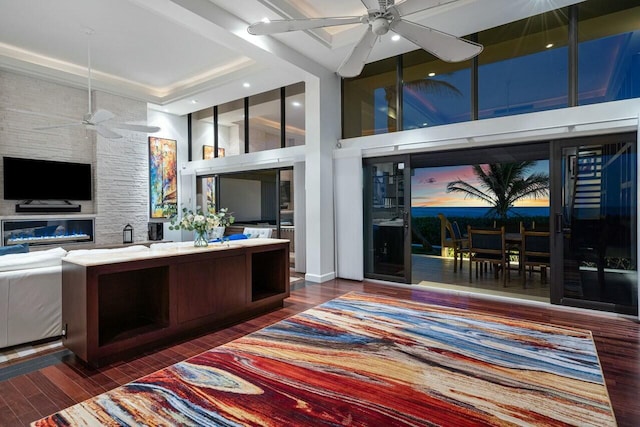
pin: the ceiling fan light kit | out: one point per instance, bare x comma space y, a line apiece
382, 16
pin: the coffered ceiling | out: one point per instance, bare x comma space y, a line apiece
185, 55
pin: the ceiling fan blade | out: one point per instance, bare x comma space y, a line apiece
106, 132
136, 128
353, 64
445, 46
101, 116
58, 126
371, 4
285, 25
407, 7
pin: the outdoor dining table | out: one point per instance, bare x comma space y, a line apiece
513, 238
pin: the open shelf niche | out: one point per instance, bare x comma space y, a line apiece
267, 274
132, 303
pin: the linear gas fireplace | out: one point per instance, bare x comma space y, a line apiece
47, 231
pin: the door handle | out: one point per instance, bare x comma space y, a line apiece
558, 223
405, 219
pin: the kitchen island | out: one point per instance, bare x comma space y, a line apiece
115, 305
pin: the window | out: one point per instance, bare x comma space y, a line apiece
231, 127
524, 66
434, 92
369, 100
294, 115
264, 121
608, 51
201, 132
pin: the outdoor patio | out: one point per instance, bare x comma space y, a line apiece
437, 272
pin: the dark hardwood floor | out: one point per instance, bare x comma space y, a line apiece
32, 395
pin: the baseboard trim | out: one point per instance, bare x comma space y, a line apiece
315, 278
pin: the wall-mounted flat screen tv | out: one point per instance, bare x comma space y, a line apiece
29, 179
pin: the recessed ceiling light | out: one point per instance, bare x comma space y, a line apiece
194, 101
549, 46
245, 84
395, 37
431, 74
266, 20
166, 110
296, 104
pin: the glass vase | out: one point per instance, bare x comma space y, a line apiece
201, 240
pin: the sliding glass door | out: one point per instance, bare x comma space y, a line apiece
595, 223
387, 234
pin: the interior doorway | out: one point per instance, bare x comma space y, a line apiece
261, 199
387, 218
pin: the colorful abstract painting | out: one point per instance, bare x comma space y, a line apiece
163, 176
207, 152
371, 360
210, 182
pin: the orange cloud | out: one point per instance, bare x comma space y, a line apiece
451, 200
528, 203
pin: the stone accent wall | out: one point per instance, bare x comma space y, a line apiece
27, 103
121, 174
119, 167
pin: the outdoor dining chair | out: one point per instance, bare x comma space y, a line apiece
461, 244
488, 246
452, 238
535, 253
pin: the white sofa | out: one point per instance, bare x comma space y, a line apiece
30, 296
31, 293
257, 233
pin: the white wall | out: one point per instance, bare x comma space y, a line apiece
323, 129
299, 217
349, 215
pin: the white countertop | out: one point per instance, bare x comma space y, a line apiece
101, 258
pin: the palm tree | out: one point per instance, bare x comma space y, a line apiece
502, 184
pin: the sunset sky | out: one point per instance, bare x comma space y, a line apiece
429, 185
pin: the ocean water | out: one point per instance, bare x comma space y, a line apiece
475, 212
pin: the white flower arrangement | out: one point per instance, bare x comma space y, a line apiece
201, 222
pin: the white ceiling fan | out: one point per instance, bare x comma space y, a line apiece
382, 16
97, 119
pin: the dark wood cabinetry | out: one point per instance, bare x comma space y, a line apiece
131, 303
211, 288
115, 307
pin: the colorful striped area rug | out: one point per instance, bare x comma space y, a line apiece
370, 360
